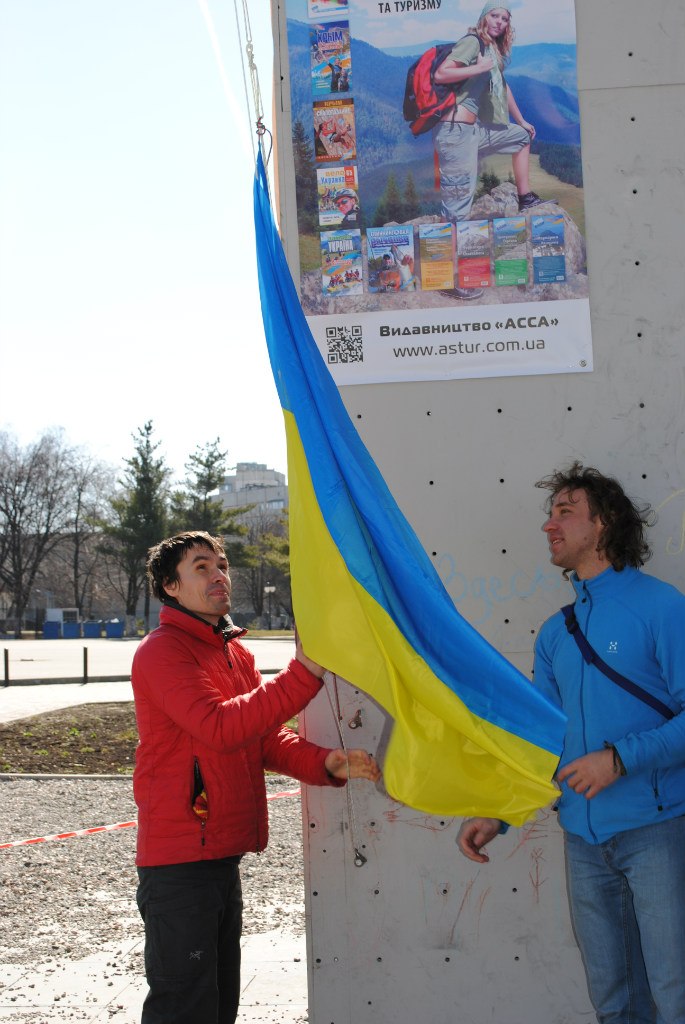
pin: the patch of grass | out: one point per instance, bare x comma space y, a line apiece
310, 253
546, 186
97, 739
127, 736
91, 739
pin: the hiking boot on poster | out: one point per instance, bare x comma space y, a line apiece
531, 199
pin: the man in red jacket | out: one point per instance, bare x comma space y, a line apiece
209, 726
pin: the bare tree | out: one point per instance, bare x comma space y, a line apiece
35, 510
265, 562
76, 558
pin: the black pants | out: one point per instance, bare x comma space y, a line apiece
193, 921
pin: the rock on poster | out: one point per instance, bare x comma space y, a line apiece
500, 167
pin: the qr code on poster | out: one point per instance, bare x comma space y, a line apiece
345, 344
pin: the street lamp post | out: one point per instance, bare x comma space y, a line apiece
269, 590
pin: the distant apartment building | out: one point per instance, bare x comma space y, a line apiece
254, 484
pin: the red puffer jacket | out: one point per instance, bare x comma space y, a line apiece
207, 721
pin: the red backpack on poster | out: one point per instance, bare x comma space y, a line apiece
426, 102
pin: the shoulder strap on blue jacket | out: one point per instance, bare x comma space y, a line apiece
591, 657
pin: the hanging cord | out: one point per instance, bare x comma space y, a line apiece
359, 858
262, 130
236, 109
260, 127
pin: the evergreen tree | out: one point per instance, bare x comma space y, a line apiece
306, 194
139, 520
488, 181
412, 205
198, 506
391, 205
560, 160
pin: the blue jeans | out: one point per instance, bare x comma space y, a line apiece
627, 899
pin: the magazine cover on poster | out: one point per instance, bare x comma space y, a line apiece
440, 212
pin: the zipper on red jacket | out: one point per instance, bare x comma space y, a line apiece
200, 803
226, 654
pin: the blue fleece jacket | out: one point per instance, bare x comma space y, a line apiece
636, 624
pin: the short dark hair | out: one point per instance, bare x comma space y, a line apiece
163, 558
623, 538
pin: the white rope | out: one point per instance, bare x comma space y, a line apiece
253, 102
359, 858
237, 111
254, 74
242, 66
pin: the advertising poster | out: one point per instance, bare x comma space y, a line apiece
440, 213
330, 53
338, 197
437, 267
390, 258
334, 131
473, 254
511, 247
341, 263
547, 238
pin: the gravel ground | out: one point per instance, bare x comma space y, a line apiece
72, 895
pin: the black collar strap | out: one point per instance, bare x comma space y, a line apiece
225, 625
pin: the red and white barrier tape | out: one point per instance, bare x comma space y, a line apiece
70, 835
113, 828
285, 792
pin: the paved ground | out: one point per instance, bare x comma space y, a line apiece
107, 985
103, 988
28, 661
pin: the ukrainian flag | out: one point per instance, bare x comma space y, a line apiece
471, 735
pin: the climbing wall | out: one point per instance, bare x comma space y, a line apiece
401, 928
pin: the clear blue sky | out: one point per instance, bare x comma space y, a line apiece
128, 284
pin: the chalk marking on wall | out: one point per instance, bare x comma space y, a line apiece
536, 855
494, 590
671, 547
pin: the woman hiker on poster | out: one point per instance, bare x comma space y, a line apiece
478, 125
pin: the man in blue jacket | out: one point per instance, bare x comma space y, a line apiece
622, 771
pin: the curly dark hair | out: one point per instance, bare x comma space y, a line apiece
623, 538
163, 558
